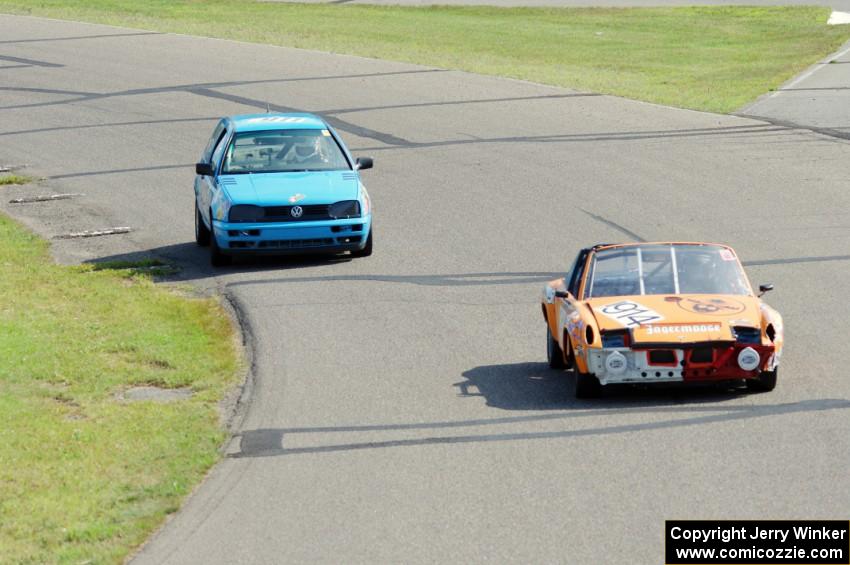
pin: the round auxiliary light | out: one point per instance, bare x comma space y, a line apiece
748, 359
615, 362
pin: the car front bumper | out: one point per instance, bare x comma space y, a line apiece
635, 365
283, 238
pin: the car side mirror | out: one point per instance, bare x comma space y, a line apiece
362, 163
561, 294
765, 288
204, 169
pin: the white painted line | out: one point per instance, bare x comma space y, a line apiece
10, 168
839, 18
46, 198
94, 233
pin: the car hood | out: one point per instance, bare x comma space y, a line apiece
681, 318
280, 189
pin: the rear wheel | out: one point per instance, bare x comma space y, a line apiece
765, 382
554, 353
366, 251
587, 385
202, 233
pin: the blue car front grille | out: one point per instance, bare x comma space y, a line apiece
310, 213
299, 243
295, 243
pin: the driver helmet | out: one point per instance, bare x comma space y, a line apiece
306, 149
696, 271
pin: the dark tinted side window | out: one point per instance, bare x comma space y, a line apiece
214, 139
219, 149
578, 271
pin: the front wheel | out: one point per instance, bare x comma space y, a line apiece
554, 353
202, 233
765, 382
366, 251
217, 258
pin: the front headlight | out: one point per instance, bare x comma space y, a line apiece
220, 206
245, 213
344, 209
749, 359
747, 334
367, 202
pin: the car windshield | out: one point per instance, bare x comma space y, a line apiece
275, 151
666, 269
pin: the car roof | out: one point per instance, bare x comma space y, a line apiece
601, 246
276, 120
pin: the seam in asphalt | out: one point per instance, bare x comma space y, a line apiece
844, 49
812, 69
745, 111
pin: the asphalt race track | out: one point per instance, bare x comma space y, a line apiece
401, 408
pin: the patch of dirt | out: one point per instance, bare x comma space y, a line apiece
155, 394
159, 364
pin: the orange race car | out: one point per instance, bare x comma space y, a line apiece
660, 312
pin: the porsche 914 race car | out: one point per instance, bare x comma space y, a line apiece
280, 184
660, 312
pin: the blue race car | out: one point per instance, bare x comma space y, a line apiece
280, 184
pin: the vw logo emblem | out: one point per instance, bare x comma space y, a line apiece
296, 211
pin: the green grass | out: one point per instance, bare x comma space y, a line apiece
85, 476
707, 58
14, 179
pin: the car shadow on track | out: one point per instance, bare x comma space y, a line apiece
553, 415
275, 442
534, 386
192, 262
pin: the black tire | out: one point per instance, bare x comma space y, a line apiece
587, 385
765, 382
202, 233
366, 251
217, 258
554, 353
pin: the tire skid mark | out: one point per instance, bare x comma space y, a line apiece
614, 225
348, 127
32, 62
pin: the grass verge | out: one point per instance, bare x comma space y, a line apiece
14, 179
707, 58
85, 476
